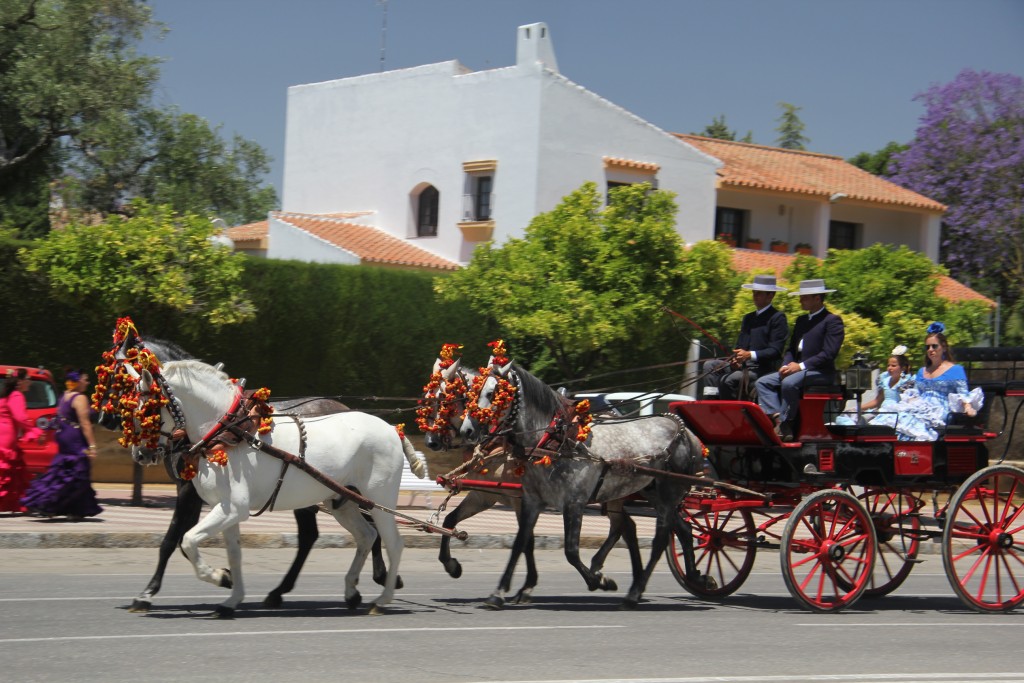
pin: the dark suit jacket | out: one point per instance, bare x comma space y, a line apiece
765, 335
823, 336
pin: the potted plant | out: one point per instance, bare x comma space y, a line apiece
804, 248
780, 246
726, 238
753, 243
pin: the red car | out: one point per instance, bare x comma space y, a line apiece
41, 404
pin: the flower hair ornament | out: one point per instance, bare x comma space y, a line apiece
936, 328
900, 350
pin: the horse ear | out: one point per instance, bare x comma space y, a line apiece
146, 376
452, 370
503, 370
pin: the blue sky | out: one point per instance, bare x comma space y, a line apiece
854, 66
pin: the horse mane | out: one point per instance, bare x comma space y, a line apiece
166, 350
540, 403
196, 366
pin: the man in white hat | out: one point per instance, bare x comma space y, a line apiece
813, 348
758, 348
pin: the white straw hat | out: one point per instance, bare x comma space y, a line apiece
764, 283
811, 287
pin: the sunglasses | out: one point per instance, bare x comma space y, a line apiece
933, 346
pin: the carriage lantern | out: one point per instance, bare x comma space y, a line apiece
858, 376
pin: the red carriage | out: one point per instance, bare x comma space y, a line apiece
850, 507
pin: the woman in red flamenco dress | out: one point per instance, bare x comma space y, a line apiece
14, 422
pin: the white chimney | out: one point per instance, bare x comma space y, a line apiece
533, 44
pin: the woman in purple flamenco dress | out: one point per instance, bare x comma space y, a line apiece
14, 422
66, 488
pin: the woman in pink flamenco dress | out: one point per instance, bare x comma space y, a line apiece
14, 422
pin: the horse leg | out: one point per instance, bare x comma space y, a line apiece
233, 544
187, 508
525, 594
380, 568
305, 520
524, 539
363, 533
387, 531
572, 517
668, 521
474, 503
620, 525
219, 518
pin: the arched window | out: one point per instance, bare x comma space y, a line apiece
426, 212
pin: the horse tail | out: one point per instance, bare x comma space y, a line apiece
417, 462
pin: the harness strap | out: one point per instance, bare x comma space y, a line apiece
284, 467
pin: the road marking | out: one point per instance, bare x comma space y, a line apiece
848, 678
350, 631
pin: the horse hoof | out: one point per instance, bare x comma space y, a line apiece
225, 579
222, 612
140, 605
355, 601
454, 568
523, 597
273, 601
377, 610
494, 602
629, 604
399, 585
608, 584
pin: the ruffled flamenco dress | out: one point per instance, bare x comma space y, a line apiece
66, 486
13, 474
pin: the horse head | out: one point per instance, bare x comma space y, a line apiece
507, 399
439, 415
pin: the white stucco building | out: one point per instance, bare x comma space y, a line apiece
415, 167
498, 147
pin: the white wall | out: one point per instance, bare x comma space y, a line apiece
288, 242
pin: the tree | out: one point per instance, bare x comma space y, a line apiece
791, 128
886, 295
154, 259
968, 153
77, 110
718, 130
585, 281
878, 163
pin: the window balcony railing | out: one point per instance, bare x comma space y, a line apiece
477, 223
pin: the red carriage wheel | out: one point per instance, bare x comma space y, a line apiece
983, 540
828, 551
897, 528
724, 552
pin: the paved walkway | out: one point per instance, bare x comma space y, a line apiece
122, 525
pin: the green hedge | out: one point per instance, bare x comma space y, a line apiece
320, 330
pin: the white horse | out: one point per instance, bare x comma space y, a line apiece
356, 450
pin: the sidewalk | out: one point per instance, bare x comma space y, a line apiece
122, 525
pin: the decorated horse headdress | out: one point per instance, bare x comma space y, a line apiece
442, 394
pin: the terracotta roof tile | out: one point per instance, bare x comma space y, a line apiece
748, 260
632, 164
370, 244
785, 170
249, 231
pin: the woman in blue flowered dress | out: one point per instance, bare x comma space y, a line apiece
938, 389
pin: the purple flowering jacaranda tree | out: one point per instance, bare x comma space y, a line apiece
968, 153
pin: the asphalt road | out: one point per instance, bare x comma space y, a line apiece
64, 619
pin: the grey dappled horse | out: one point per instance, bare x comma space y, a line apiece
584, 474
477, 501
